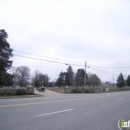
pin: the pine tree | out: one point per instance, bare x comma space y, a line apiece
69, 76
5, 52
120, 81
61, 80
128, 80
79, 78
5, 63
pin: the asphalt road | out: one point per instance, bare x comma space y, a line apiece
65, 112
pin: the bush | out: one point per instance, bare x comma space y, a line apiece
1, 93
21, 92
76, 91
6, 93
9, 93
87, 91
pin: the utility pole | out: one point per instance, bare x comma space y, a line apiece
85, 75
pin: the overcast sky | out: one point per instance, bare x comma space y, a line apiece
74, 30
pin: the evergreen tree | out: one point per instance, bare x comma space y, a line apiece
61, 80
79, 78
128, 80
5, 63
120, 81
5, 52
69, 76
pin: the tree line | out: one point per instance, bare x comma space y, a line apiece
69, 78
21, 75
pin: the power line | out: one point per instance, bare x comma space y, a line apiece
46, 60
102, 71
59, 62
126, 67
110, 67
47, 57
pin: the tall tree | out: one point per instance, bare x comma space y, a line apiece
61, 80
128, 80
69, 76
79, 78
5, 52
6, 79
5, 63
22, 75
120, 81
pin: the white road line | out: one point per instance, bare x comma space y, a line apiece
120, 99
55, 112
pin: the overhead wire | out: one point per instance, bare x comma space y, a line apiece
60, 62
103, 71
126, 67
101, 67
47, 57
47, 60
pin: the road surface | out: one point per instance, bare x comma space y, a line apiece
65, 112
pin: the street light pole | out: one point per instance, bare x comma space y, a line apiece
85, 75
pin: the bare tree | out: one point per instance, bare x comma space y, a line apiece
22, 75
40, 79
93, 80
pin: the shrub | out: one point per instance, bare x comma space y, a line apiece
1, 93
76, 91
79, 91
21, 92
87, 91
4, 93
9, 93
